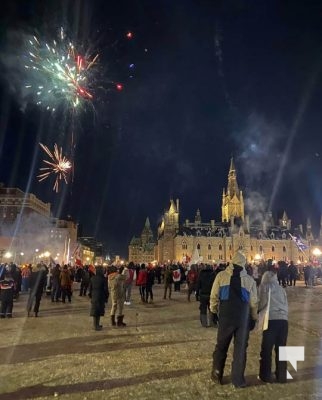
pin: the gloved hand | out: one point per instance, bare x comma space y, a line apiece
252, 324
215, 318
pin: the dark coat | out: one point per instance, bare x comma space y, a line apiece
38, 281
98, 292
205, 280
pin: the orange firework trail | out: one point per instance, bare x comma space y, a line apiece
59, 166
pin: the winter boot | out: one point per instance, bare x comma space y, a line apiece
96, 323
120, 321
113, 320
204, 320
216, 376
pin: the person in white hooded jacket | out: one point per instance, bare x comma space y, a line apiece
276, 333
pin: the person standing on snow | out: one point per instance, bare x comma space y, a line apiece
272, 295
234, 298
98, 293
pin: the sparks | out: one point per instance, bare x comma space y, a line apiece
61, 73
59, 166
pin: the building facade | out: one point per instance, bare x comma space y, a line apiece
143, 249
218, 241
28, 232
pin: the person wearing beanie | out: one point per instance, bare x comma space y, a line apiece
234, 299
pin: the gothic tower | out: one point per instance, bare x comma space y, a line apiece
147, 234
170, 225
232, 198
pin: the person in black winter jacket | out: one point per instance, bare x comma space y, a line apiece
98, 293
37, 284
7, 289
204, 284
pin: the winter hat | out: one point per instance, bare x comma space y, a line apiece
239, 259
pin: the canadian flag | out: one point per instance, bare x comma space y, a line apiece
77, 256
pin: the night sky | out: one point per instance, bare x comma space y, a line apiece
210, 80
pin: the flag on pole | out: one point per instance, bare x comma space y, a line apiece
77, 256
300, 245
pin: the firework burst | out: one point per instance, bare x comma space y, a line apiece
59, 166
61, 74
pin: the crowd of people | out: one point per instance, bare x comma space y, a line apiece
232, 297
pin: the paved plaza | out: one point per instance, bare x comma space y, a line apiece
162, 353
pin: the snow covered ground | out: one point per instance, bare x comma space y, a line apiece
163, 353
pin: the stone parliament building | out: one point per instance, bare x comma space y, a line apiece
217, 241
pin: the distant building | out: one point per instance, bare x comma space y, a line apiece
92, 250
143, 249
28, 231
218, 241
14, 202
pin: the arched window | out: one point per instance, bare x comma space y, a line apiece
184, 246
284, 249
220, 247
251, 248
230, 247
273, 249
209, 246
260, 248
198, 246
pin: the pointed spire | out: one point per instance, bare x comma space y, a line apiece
173, 208
232, 165
232, 188
147, 223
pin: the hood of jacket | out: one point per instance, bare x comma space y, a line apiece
232, 267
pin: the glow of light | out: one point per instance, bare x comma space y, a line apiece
129, 35
316, 252
119, 86
8, 254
